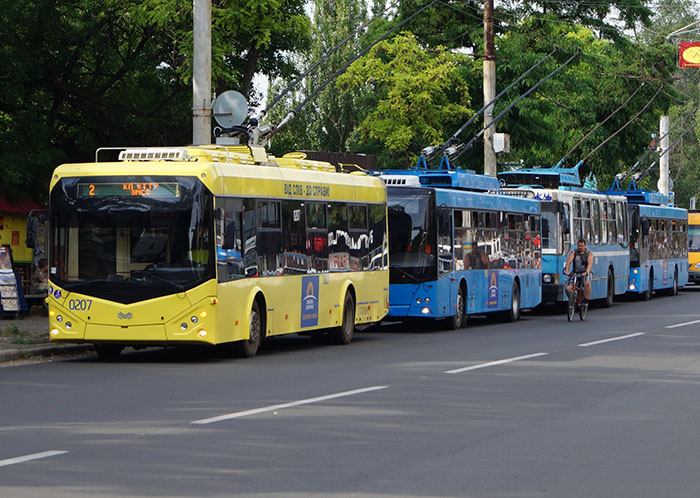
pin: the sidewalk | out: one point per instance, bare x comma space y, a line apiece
22, 339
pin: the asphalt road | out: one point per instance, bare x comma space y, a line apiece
398, 413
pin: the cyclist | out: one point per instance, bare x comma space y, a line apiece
582, 260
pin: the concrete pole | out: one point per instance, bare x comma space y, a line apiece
490, 167
201, 73
665, 159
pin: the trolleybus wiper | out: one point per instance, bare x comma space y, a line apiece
177, 286
404, 272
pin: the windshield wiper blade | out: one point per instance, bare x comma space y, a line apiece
78, 283
404, 272
177, 286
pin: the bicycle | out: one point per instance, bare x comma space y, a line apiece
576, 280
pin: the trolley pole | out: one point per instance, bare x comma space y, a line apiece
201, 73
490, 167
665, 158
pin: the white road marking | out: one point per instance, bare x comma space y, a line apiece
492, 363
270, 408
28, 458
619, 338
682, 324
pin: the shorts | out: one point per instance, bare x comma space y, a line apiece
586, 280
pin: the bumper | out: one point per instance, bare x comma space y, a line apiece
693, 277
553, 293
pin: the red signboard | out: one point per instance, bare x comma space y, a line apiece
689, 54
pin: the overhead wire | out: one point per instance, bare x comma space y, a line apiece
622, 127
601, 123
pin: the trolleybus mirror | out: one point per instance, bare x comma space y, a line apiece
32, 229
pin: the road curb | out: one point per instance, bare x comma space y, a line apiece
51, 350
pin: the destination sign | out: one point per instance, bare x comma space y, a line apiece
147, 189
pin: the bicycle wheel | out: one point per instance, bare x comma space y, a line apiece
583, 311
571, 310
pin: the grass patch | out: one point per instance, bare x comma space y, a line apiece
16, 335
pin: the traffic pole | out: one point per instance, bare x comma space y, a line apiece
201, 73
490, 167
665, 157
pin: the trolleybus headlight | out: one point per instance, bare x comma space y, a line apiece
635, 271
54, 331
547, 278
425, 310
697, 266
59, 318
418, 301
427, 299
633, 287
183, 325
68, 325
203, 314
194, 319
202, 333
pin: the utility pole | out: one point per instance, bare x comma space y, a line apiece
201, 73
665, 158
490, 167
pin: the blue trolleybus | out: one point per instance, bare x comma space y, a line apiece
658, 244
455, 249
569, 213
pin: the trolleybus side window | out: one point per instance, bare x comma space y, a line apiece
378, 247
359, 246
612, 226
294, 240
317, 236
269, 238
229, 253
445, 257
578, 225
595, 212
621, 223
250, 232
338, 237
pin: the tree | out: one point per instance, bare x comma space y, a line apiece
415, 94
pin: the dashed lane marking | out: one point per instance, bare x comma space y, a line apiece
270, 408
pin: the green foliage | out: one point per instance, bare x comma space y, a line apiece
416, 93
80, 74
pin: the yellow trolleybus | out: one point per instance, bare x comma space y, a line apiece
694, 246
213, 245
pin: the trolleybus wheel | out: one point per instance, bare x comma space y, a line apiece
513, 314
610, 296
108, 351
459, 320
646, 295
249, 347
343, 333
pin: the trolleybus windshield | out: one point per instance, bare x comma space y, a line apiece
694, 238
127, 239
412, 236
